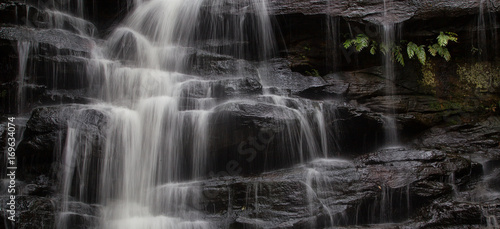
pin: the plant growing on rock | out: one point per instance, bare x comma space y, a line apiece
484, 76
361, 41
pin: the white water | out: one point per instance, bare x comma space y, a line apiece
156, 144
486, 21
23, 49
60, 20
389, 38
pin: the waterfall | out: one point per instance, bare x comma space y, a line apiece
486, 20
23, 49
389, 38
156, 140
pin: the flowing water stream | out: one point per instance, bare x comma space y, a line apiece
389, 39
156, 140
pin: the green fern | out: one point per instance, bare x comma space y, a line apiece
411, 49
443, 38
373, 48
348, 43
396, 53
433, 49
445, 54
421, 54
360, 42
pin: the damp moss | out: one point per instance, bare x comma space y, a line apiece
484, 76
428, 80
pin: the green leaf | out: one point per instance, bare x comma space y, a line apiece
433, 49
396, 52
348, 43
361, 42
446, 54
444, 38
421, 54
373, 48
452, 34
410, 49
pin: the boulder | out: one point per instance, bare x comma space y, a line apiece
264, 136
45, 134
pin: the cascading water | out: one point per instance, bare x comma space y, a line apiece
486, 21
156, 140
23, 49
388, 38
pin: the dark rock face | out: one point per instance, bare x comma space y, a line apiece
480, 139
59, 39
45, 133
376, 187
398, 11
261, 136
53, 59
259, 176
452, 214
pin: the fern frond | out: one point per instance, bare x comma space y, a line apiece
396, 53
348, 43
410, 49
443, 38
433, 49
446, 54
421, 54
361, 42
373, 48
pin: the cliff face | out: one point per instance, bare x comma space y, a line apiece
378, 11
446, 175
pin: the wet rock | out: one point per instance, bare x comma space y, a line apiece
279, 199
237, 123
62, 72
20, 13
358, 85
31, 212
60, 39
395, 155
281, 76
220, 89
212, 65
373, 11
362, 130
262, 136
9, 60
451, 214
481, 138
79, 215
53, 62
417, 176
45, 134
385, 186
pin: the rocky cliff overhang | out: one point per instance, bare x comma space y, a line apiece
374, 11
